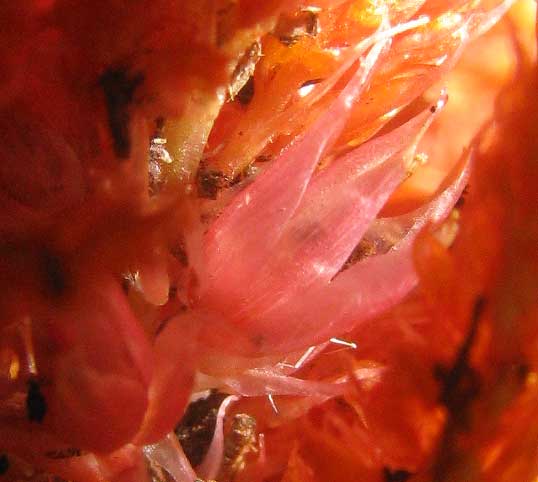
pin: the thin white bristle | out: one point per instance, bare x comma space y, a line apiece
339, 341
273, 404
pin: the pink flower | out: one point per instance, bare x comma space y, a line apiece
271, 266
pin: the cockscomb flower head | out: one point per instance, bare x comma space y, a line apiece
208, 196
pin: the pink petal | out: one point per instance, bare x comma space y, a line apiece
170, 388
254, 221
97, 349
364, 290
337, 208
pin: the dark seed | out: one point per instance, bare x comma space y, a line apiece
4, 464
245, 95
396, 475
119, 89
36, 405
196, 428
